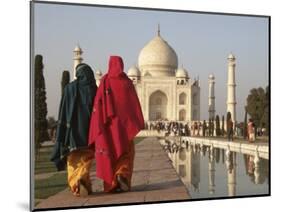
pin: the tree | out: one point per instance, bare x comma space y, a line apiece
222, 126
218, 130
265, 118
65, 79
41, 124
245, 124
52, 125
51, 122
258, 106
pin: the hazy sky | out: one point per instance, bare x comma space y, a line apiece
201, 41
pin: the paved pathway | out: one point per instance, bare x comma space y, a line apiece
154, 179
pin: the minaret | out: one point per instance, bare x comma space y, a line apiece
231, 94
98, 76
211, 104
77, 59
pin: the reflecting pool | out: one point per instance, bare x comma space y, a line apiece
210, 172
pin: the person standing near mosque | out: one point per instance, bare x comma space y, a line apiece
116, 119
251, 131
230, 130
71, 146
204, 127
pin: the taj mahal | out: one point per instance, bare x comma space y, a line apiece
165, 90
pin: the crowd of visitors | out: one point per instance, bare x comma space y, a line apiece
205, 128
175, 128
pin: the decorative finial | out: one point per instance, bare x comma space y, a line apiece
77, 45
78, 48
158, 31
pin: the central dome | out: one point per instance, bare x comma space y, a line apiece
158, 58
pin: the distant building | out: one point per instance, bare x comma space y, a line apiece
164, 90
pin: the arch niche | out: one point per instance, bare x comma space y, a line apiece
158, 102
182, 99
182, 115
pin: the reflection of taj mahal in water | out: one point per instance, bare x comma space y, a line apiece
209, 170
166, 91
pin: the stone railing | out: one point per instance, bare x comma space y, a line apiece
260, 150
150, 133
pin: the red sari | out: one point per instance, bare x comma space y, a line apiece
115, 121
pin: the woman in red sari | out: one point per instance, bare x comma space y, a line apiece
115, 121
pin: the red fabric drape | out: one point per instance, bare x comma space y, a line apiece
116, 119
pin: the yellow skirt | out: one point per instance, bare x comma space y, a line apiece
79, 163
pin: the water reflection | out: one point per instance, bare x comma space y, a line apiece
187, 164
231, 172
211, 166
212, 172
256, 169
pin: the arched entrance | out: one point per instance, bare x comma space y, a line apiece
182, 115
158, 102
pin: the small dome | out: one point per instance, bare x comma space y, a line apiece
181, 72
211, 76
231, 56
133, 71
77, 49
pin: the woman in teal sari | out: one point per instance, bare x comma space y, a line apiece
71, 148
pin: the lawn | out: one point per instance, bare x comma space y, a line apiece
50, 186
43, 163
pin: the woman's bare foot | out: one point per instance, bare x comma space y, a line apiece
122, 183
80, 190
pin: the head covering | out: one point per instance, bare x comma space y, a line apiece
116, 66
74, 115
116, 118
84, 74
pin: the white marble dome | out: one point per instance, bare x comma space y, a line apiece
231, 56
133, 72
158, 58
181, 73
211, 76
